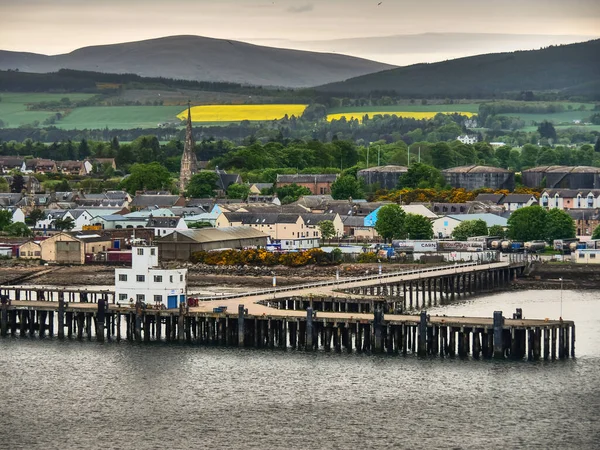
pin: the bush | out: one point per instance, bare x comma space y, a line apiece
368, 257
261, 257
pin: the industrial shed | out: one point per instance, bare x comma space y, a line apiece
386, 177
562, 177
180, 244
477, 177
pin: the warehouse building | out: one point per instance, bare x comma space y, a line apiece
386, 177
562, 177
477, 177
180, 244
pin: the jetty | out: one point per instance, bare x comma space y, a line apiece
368, 314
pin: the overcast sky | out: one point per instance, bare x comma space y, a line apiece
59, 26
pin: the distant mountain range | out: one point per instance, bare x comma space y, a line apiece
201, 59
574, 68
408, 49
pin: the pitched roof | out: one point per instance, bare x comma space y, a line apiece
163, 222
490, 219
492, 198
307, 178
518, 198
144, 200
205, 235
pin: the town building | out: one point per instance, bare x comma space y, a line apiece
586, 256
512, 202
562, 177
468, 139
71, 168
146, 282
156, 200
38, 165
566, 199
386, 177
180, 245
444, 226
8, 163
477, 177
318, 184
189, 162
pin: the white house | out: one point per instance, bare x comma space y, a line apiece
17, 214
80, 217
467, 139
445, 225
145, 281
163, 226
512, 202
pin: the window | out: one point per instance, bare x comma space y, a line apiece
592, 256
152, 251
122, 277
37, 253
140, 278
170, 278
158, 298
140, 297
180, 277
140, 251
158, 278
581, 256
122, 297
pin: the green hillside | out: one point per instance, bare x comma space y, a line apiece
574, 68
119, 117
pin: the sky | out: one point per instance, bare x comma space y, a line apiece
342, 26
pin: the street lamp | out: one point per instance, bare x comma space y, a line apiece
561, 296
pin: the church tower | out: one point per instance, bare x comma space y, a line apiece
189, 163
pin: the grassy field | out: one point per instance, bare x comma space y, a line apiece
118, 117
556, 118
466, 107
13, 107
237, 113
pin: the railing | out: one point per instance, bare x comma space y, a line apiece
345, 281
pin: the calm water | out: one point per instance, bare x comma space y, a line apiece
72, 395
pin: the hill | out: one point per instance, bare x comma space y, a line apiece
201, 59
573, 68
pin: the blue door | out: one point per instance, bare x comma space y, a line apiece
181, 299
172, 302
117, 243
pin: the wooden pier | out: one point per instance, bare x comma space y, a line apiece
497, 337
361, 314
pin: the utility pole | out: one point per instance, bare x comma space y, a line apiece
408, 159
419, 160
379, 155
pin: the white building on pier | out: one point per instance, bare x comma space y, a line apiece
147, 282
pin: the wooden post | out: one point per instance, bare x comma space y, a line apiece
377, 324
309, 328
100, 320
241, 332
422, 346
573, 341
4, 320
498, 332
546, 344
553, 345
61, 315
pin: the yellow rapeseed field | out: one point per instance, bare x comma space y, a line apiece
237, 113
407, 114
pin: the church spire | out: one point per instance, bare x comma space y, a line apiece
189, 163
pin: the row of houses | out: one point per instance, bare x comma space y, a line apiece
43, 166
